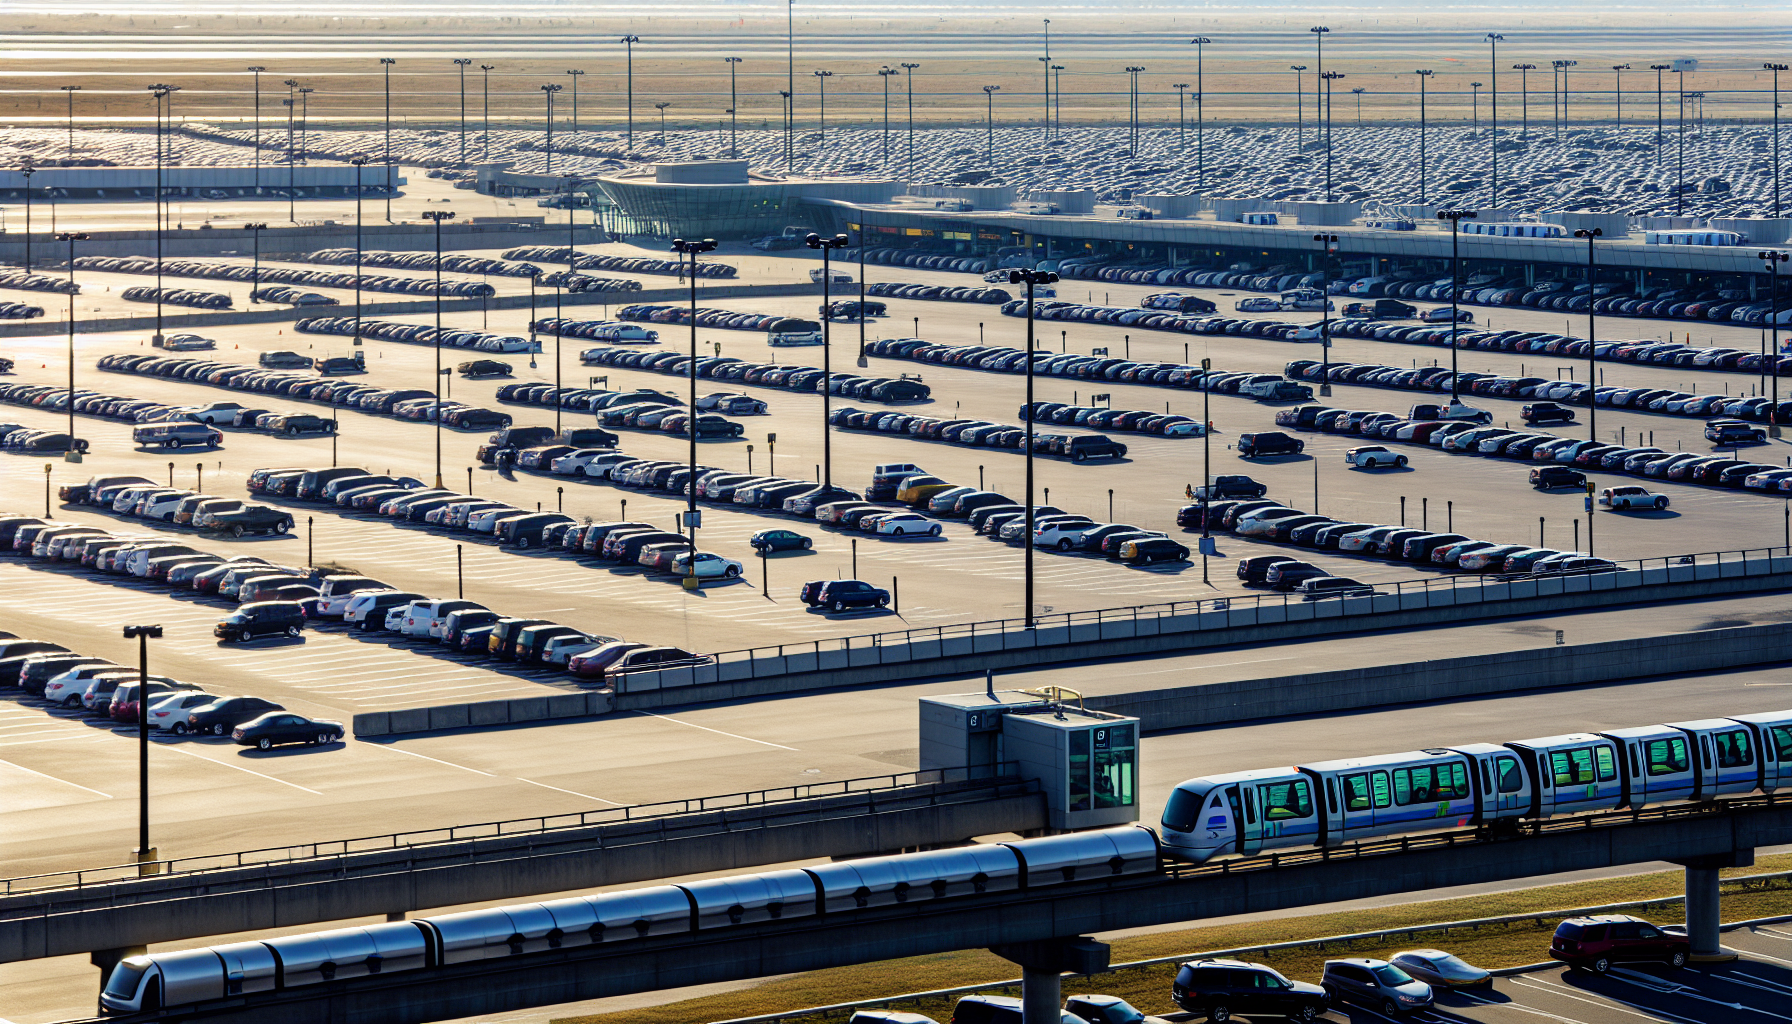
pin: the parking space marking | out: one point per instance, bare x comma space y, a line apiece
568, 792
1775, 932
1480, 1001
718, 732
426, 757
1749, 980
1634, 1010
53, 778
240, 768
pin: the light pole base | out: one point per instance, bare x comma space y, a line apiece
690, 583
146, 861
1325, 391
1773, 430
76, 456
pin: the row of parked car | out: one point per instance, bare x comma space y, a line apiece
576, 282
20, 311
1002, 359
1467, 437
451, 263
1265, 519
15, 437
26, 281
176, 297
260, 275
919, 258
707, 316
625, 264
415, 334
973, 433
938, 293
286, 295
1667, 401
1132, 420
405, 403
1646, 353
1149, 319
802, 379
594, 330
104, 690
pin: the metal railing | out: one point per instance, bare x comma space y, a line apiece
1363, 605
1005, 774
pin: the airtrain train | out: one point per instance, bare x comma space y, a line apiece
163, 980
1330, 803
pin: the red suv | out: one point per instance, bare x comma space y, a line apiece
1596, 943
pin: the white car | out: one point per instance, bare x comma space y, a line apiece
169, 710
1062, 535
214, 413
336, 592
738, 405
709, 566
594, 462
1186, 428
424, 618
907, 524
1373, 456
1631, 496
1259, 522
486, 520
561, 649
1258, 304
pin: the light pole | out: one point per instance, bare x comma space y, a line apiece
359, 162
391, 185
884, 73
989, 136
1299, 117
1524, 99
789, 112
1618, 92
630, 41
1455, 217
1328, 244
161, 94
1206, 461
1776, 69
1181, 120
1199, 43
790, 83
1030, 278
1319, 33
1423, 76
485, 117
1680, 158
910, 68
438, 216
1561, 70
71, 90
28, 169
821, 81
1057, 99
255, 230
1328, 78
1133, 109
1493, 108
71, 237
575, 75
1046, 66
146, 854
256, 70
1660, 123
460, 67
827, 246
1592, 355
661, 107
1359, 105
734, 104
1474, 106
1772, 258
548, 92
692, 250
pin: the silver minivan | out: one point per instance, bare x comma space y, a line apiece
1376, 984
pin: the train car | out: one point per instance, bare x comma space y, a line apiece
1695, 237
162, 980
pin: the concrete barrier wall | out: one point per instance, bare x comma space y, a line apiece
484, 714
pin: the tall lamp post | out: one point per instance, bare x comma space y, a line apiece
1200, 43
1493, 107
548, 91
1772, 259
1181, 119
789, 112
885, 73
1299, 116
1455, 217
1328, 245
630, 41
1030, 278
146, 854
438, 216
989, 129
821, 81
359, 162
1524, 99
1133, 109
1618, 93
1328, 78
827, 247
661, 107
1474, 106
910, 68
71, 90
256, 71
1358, 93
71, 237
1045, 64
1319, 33
485, 116
1562, 67
255, 230
1592, 340
161, 94
691, 519
734, 104
1660, 123
575, 75
1680, 146
28, 169
1776, 69
460, 67
391, 185
1424, 75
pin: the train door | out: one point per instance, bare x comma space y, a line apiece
1773, 738
1511, 792
1727, 756
1244, 818
1364, 794
1288, 815
1584, 776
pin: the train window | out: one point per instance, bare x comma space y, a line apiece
1666, 757
1704, 752
1356, 792
1572, 767
1782, 738
1608, 769
1430, 783
1181, 811
1232, 798
1511, 779
1380, 782
1284, 800
1733, 750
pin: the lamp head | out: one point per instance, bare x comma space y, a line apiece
133, 632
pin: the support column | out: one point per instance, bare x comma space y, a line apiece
1704, 912
1042, 964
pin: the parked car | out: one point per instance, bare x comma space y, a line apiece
839, 595
1223, 989
1629, 496
1373, 456
1598, 943
1229, 486
223, 715
285, 727
1545, 478
1269, 442
1376, 984
261, 618
767, 541
1439, 969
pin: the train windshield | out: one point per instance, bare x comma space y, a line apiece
1181, 811
123, 983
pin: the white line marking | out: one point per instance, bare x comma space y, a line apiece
582, 796
240, 768
426, 757
53, 778
1479, 1001
718, 732
1634, 1010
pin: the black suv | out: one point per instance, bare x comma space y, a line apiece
1222, 989
839, 595
1091, 446
1229, 486
1269, 442
261, 618
1545, 478
253, 519
1547, 412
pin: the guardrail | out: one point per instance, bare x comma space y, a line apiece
1064, 628
1744, 883
1002, 774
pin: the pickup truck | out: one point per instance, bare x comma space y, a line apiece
1455, 411
1228, 487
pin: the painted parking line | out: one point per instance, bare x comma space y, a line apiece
718, 732
568, 792
240, 768
53, 778
1611, 1004
1511, 1005
426, 757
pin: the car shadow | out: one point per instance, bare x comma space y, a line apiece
850, 613
287, 750
1645, 513
1380, 470
264, 642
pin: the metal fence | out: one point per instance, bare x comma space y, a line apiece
1209, 613
1004, 774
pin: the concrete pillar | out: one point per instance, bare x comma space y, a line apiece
1042, 963
1040, 996
1704, 912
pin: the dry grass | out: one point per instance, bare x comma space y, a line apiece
1148, 987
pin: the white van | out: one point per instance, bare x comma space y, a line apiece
176, 435
831, 276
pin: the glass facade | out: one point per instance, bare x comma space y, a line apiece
731, 211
